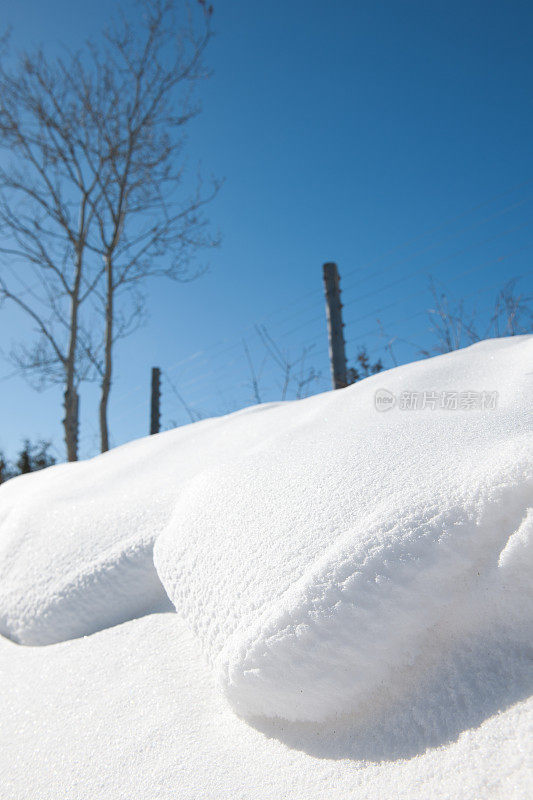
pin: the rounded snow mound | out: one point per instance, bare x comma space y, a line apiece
324, 563
76, 540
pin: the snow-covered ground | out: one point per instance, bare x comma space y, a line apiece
131, 713
354, 594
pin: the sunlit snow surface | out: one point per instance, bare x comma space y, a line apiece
327, 561
76, 540
131, 713
357, 582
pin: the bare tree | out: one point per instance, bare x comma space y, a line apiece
449, 323
513, 312
138, 91
295, 375
454, 327
292, 370
47, 197
193, 413
278, 357
255, 376
389, 344
95, 198
305, 376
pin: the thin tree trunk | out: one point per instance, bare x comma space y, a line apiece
108, 364
70, 424
70, 421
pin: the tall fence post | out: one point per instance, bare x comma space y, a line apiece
155, 416
337, 352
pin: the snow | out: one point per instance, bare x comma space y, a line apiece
131, 712
325, 563
76, 540
356, 582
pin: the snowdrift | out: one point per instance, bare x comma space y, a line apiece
325, 563
76, 540
324, 552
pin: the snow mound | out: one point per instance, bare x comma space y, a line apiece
76, 540
328, 560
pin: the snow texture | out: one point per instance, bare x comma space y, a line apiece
76, 540
359, 580
330, 559
131, 713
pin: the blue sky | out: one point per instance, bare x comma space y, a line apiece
391, 137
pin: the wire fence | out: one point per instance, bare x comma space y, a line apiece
216, 378
385, 299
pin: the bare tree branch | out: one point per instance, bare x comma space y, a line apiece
253, 375
94, 194
138, 96
453, 327
46, 210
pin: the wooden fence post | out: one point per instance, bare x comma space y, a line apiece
155, 416
337, 353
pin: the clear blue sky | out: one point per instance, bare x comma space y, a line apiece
359, 132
